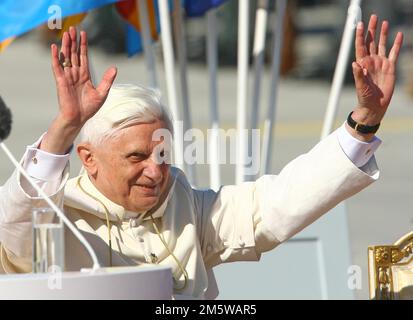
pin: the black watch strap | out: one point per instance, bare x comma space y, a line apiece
362, 128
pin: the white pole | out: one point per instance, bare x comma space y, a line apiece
182, 56
168, 55
275, 76
147, 42
258, 54
242, 88
353, 16
213, 141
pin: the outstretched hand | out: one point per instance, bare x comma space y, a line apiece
374, 71
78, 98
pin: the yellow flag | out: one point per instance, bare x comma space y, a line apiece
71, 21
4, 44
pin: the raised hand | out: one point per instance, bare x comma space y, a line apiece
374, 71
78, 99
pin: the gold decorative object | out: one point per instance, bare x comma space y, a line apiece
382, 254
391, 269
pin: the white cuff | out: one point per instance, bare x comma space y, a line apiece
43, 165
359, 152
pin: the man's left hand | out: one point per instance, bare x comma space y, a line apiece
374, 73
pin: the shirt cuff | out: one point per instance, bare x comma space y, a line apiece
359, 152
43, 165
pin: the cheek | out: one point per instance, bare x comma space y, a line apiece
165, 174
131, 173
117, 172
124, 179
165, 170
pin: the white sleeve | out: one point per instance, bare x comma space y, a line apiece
18, 198
308, 187
44, 167
240, 222
357, 151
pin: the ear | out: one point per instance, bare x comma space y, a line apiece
86, 155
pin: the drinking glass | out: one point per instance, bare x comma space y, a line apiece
48, 241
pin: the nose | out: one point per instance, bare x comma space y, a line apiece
153, 171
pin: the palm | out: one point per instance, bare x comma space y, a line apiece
78, 98
380, 81
374, 72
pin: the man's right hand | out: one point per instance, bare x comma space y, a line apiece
78, 99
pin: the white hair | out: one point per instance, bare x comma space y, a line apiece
125, 106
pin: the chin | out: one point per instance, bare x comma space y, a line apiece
147, 204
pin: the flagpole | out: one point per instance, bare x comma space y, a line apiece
353, 16
258, 54
168, 56
213, 141
147, 42
275, 76
182, 60
242, 88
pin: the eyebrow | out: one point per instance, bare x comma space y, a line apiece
136, 152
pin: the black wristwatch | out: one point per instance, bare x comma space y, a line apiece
362, 128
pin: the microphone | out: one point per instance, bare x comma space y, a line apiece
5, 127
5, 120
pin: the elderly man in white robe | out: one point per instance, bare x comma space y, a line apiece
135, 209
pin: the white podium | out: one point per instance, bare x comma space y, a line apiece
126, 283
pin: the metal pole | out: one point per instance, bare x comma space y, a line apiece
182, 56
353, 16
258, 54
275, 76
213, 141
242, 88
168, 55
147, 42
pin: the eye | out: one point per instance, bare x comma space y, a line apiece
162, 153
136, 156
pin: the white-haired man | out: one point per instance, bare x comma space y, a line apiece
134, 209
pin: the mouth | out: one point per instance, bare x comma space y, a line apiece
148, 189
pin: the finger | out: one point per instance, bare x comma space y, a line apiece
383, 38
395, 50
371, 35
361, 51
65, 49
83, 49
56, 66
73, 46
359, 76
107, 81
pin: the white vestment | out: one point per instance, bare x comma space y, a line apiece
202, 228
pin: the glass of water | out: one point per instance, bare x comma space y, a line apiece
48, 241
